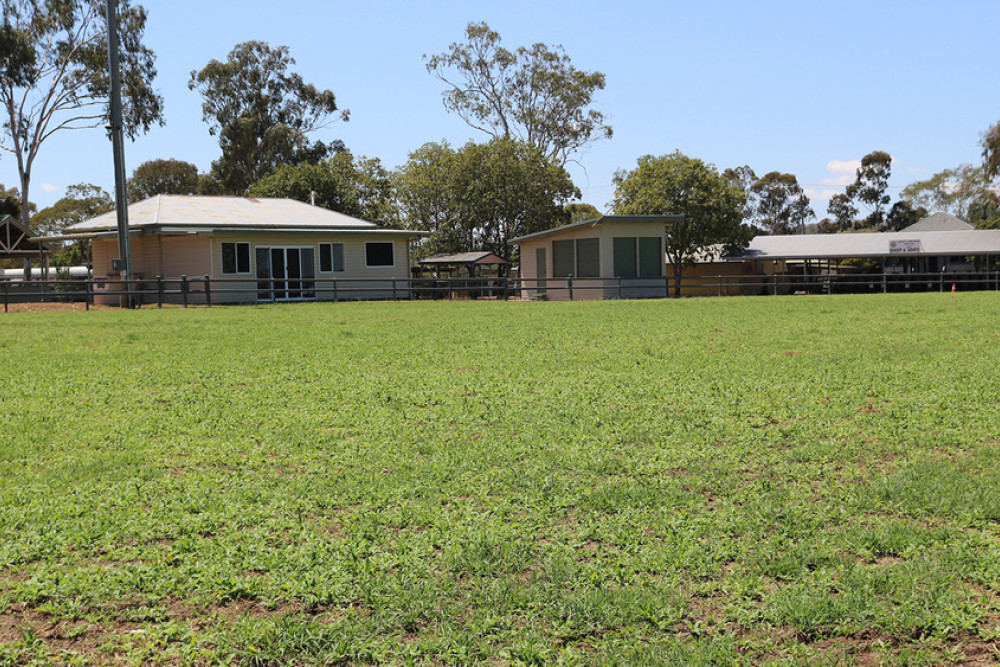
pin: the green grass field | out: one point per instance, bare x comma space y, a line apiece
780, 480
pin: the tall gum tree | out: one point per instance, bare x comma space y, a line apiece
263, 114
54, 56
532, 94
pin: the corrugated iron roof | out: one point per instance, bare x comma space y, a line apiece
481, 257
223, 212
939, 222
598, 221
888, 244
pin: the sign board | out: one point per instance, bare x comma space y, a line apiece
904, 247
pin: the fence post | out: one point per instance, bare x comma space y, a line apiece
6, 287
86, 294
334, 283
720, 285
159, 291
42, 283
208, 292
666, 287
184, 290
883, 284
569, 282
619, 288
394, 290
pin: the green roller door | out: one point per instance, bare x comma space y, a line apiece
588, 258
624, 248
651, 259
563, 263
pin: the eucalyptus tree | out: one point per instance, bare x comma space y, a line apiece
533, 94
263, 114
54, 56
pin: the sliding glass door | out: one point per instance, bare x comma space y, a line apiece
285, 274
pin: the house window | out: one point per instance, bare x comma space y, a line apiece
236, 258
379, 254
331, 257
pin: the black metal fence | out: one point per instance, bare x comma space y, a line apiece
207, 291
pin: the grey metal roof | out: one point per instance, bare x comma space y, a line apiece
481, 257
939, 222
222, 213
598, 221
889, 244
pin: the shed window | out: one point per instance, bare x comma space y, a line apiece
236, 258
563, 263
651, 260
588, 258
331, 257
379, 254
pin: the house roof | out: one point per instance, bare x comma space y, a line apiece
187, 213
889, 244
598, 221
481, 257
939, 222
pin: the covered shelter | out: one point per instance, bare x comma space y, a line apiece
17, 242
916, 258
480, 264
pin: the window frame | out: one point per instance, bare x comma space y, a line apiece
329, 246
236, 258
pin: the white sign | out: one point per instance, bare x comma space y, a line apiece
904, 247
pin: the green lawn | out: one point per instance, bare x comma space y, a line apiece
775, 480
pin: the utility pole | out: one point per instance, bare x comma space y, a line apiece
124, 263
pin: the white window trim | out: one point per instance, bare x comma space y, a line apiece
319, 252
380, 266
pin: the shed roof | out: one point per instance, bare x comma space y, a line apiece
889, 244
481, 257
197, 213
598, 221
17, 241
939, 222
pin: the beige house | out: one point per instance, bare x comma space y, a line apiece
252, 249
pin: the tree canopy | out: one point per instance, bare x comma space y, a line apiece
482, 195
533, 94
870, 186
991, 151
966, 192
162, 177
82, 201
844, 212
781, 205
711, 203
361, 187
262, 113
54, 56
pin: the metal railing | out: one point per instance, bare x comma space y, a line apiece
206, 291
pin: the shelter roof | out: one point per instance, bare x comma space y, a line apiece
481, 257
219, 214
889, 244
939, 222
593, 222
17, 241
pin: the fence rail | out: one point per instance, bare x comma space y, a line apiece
207, 291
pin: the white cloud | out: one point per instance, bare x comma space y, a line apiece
843, 172
48, 187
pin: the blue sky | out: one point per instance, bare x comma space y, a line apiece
800, 87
